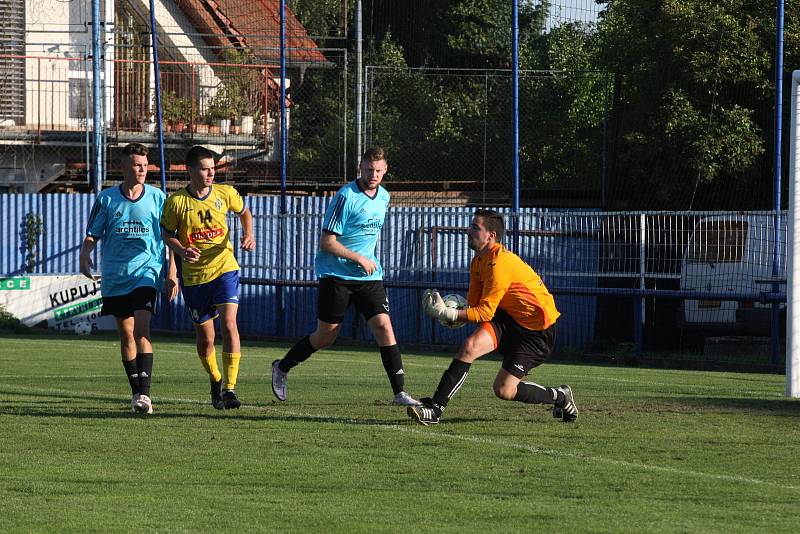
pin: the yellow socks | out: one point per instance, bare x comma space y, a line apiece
210, 364
230, 363
230, 360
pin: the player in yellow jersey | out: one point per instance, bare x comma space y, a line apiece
194, 227
516, 316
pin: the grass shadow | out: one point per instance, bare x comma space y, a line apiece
785, 407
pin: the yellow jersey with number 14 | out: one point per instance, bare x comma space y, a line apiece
201, 223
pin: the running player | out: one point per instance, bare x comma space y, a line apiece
349, 273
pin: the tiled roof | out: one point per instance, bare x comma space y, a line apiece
254, 24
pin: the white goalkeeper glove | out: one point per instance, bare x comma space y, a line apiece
433, 305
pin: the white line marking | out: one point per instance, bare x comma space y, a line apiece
550, 452
469, 439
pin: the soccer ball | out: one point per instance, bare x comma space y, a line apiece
83, 328
454, 300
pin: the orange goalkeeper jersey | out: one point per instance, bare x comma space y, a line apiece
502, 280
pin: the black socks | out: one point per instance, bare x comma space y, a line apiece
452, 379
301, 351
393, 364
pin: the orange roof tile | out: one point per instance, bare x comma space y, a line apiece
253, 24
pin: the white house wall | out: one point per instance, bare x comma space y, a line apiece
182, 40
58, 30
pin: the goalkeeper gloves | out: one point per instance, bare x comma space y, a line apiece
433, 305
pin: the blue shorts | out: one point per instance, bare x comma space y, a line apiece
202, 300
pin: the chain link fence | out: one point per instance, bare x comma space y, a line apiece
220, 87
450, 134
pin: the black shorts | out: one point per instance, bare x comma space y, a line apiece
522, 349
141, 298
335, 296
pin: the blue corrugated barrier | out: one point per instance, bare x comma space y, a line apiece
419, 248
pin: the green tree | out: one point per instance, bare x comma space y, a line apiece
323, 18
695, 100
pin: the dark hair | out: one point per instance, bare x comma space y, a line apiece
196, 153
135, 149
375, 153
493, 222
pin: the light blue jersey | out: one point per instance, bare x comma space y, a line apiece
356, 219
133, 252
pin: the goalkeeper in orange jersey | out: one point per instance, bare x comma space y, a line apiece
194, 227
516, 317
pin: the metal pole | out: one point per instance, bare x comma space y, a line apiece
159, 117
604, 165
279, 307
359, 82
640, 302
776, 203
515, 121
284, 148
344, 118
793, 247
97, 110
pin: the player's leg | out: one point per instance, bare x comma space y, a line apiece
481, 342
510, 387
324, 335
524, 350
119, 307
333, 299
202, 312
143, 300
204, 341
127, 348
231, 353
226, 301
381, 327
371, 301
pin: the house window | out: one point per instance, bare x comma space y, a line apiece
77, 98
131, 69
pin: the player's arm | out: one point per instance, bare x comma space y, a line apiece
498, 280
171, 281
190, 253
236, 205
482, 300
95, 228
329, 243
433, 305
248, 241
170, 223
475, 286
85, 257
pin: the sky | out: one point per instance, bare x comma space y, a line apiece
573, 10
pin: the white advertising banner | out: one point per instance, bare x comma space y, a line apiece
59, 301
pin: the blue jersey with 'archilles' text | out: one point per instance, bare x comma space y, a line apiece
132, 249
356, 220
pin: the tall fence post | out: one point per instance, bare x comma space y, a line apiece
97, 159
776, 204
159, 116
639, 312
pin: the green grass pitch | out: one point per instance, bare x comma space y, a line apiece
652, 450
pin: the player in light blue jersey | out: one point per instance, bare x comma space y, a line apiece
127, 219
349, 272
356, 220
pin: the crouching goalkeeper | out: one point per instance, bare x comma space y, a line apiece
516, 317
